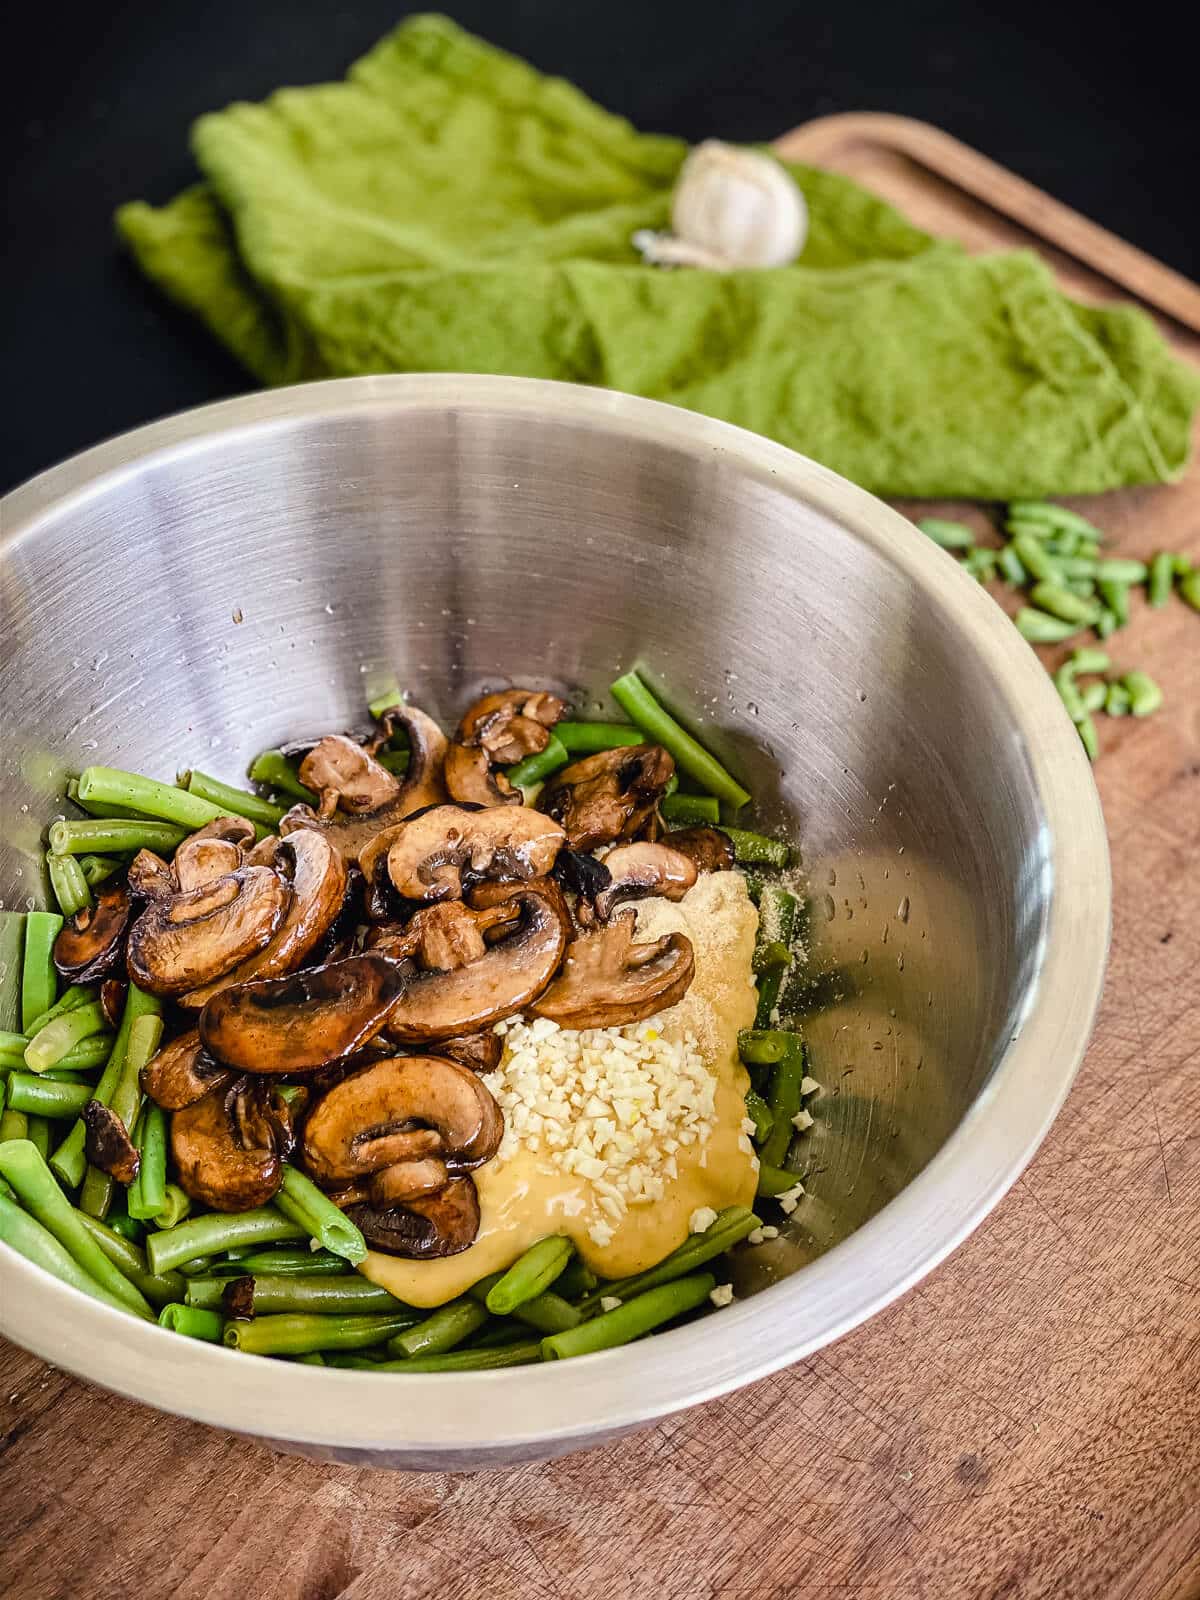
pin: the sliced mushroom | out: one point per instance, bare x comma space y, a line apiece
181, 1073
608, 796
301, 1022
200, 861
107, 1144
405, 1108
430, 854
707, 847
511, 724
421, 786
581, 874
178, 943
316, 874
471, 778
408, 1180
347, 777
441, 1005
480, 1052
608, 981
493, 896
230, 830
444, 1224
150, 878
89, 944
213, 1159
638, 870
112, 1000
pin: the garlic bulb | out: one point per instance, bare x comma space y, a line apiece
731, 208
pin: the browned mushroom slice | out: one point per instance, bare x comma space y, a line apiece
511, 724
190, 939
471, 778
150, 878
112, 1000
480, 1052
301, 1022
214, 1162
408, 1180
406, 1108
317, 876
444, 1224
441, 1005
199, 861
181, 1073
638, 870
230, 830
608, 796
708, 848
421, 786
339, 767
429, 855
107, 1144
495, 895
89, 944
608, 981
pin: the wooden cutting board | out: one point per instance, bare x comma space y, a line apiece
1024, 1424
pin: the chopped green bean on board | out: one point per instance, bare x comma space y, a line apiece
1145, 696
950, 535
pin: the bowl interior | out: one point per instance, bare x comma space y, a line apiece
252, 581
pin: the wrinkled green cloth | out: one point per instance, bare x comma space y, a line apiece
447, 208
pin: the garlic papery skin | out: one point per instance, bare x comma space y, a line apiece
731, 208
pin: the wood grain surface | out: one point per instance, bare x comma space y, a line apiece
1025, 1425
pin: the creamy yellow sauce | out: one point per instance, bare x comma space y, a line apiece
521, 1200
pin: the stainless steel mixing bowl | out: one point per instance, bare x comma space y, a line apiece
255, 570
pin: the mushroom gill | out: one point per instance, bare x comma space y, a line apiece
609, 796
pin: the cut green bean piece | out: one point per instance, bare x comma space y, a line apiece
774, 1181
176, 1209
1011, 567
274, 771
1039, 628
51, 1044
535, 768
23, 1167
1087, 733
1076, 566
1089, 660
26, 1235
38, 1096
1189, 589
263, 1294
200, 1237
1106, 623
442, 1330
39, 980
755, 849
981, 564
785, 1099
78, 994
1060, 602
238, 802
13, 1124
631, 1320
298, 1334
510, 1355
151, 1198
1092, 696
301, 1200
576, 1279
770, 955
12, 955
39, 1135
760, 1114
68, 882
1145, 696
764, 1046
162, 801
529, 1275
83, 838
640, 706
291, 1263
1033, 557
1064, 682
1116, 598
1161, 580
548, 1312
128, 1257
732, 1226
686, 809
196, 1324
1116, 569
587, 738
128, 1227
1116, 700
949, 535
1054, 516
96, 869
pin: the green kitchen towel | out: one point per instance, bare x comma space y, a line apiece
448, 208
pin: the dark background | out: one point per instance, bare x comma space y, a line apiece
1095, 104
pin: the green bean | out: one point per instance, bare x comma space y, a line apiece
151, 1196
126, 1255
293, 1263
79, 994
83, 838
510, 1355
68, 882
1033, 558
58, 1038
949, 535
640, 706
23, 1167
122, 1223
759, 1113
1189, 589
97, 808
209, 1235
1048, 515
141, 1041
1145, 696
1038, 628
530, 1274
1088, 660
13, 1124
1106, 624
548, 1312
1064, 682
96, 869
632, 1319
586, 738
208, 1294
207, 1325
1092, 696
575, 1279
30, 1239
1011, 567
755, 849
785, 1098
774, 1181
12, 947
1116, 700
13, 1044
776, 926
769, 956
1161, 580
442, 1330
1060, 602
39, 1096
754, 887
533, 769
162, 801
177, 1207
297, 1334
301, 1200
274, 771
731, 1226
981, 564
1182, 565
763, 1046
39, 980
39, 1135
690, 808
1087, 733
238, 802
87, 1055
1115, 569
1077, 566
265, 1294
314, 1358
